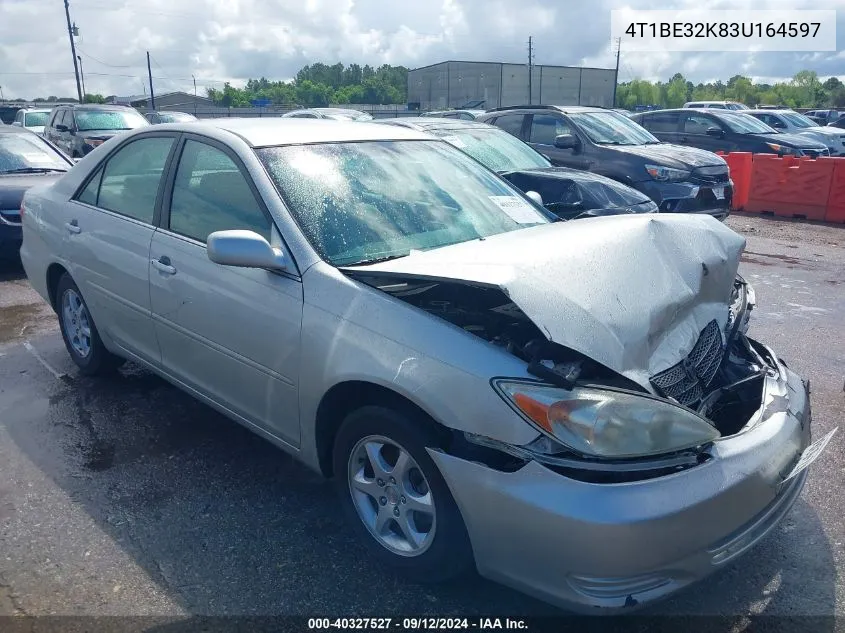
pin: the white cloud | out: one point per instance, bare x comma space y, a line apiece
233, 40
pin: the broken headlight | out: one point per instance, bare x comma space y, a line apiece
608, 424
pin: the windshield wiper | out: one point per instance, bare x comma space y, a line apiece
375, 260
32, 170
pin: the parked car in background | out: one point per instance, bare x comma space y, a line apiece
678, 179
26, 160
840, 123
568, 193
33, 119
78, 129
763, 106
718, 105
725, 131
337, 114
794, 123
168, 116
467, 115
571, 408
823, 117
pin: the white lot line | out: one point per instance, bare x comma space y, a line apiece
56, 374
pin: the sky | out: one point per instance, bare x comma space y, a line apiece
233, 40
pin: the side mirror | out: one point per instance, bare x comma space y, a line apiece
715, 131
566, 141
61, 127
778, 124
17, 123
76, 159
245, 249
536, 197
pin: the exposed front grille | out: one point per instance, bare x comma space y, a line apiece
686, 381
815, 153
711, 175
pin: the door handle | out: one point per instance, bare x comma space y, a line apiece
162, 264
73, 227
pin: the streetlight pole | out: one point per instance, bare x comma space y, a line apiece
195, 94
82, 77
73, 51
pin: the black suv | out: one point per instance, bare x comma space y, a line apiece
724, 131
602, 141
77, 129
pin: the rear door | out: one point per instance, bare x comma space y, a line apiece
231, 334
109, 227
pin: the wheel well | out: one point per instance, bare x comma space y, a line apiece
54, 273
346, 397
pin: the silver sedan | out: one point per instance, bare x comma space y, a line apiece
572, 408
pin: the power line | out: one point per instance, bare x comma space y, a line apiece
99, 61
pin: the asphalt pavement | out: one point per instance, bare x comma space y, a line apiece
123, 496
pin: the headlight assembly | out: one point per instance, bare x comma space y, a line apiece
608, 424
667, 174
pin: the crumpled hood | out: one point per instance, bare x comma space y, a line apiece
680, 156
632, 292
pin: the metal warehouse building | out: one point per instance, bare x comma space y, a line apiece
453, 84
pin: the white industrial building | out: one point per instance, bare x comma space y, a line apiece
455, 84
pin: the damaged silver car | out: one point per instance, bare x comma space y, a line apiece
575, 410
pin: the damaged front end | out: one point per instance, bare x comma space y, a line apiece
722, 384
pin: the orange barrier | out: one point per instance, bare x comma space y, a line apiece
739, 164
836, 200
788, 186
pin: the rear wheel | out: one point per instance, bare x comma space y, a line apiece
396, 498
79, 332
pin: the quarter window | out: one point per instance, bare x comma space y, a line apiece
212, 194
132, 176
663, 122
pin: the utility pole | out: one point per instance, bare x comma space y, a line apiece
530, 68
70, 31
616, 75
150, 74
82, 77
195, 94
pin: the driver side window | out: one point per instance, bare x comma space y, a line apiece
698, 124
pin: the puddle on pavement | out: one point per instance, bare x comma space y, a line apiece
20, 320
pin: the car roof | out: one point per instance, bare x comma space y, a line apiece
37, 109
437, 123
769, 111
96, 106
566, 109
265, 132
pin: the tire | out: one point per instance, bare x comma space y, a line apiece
87, 351
445, 552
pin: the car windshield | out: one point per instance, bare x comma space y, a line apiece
494, 148
744, 123
35, 119
28, 152
108, 120
799, 120
611, 128
368, 201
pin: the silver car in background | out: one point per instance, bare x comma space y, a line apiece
573, 409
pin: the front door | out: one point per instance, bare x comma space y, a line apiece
108, 230
232, 334
544, 128
693, 132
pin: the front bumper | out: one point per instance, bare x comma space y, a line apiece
585, 545
690, 197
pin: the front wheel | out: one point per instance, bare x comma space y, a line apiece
396, 498
79, 332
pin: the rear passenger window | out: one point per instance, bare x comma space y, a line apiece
132, 176
211, 194
661, 122
511, 123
